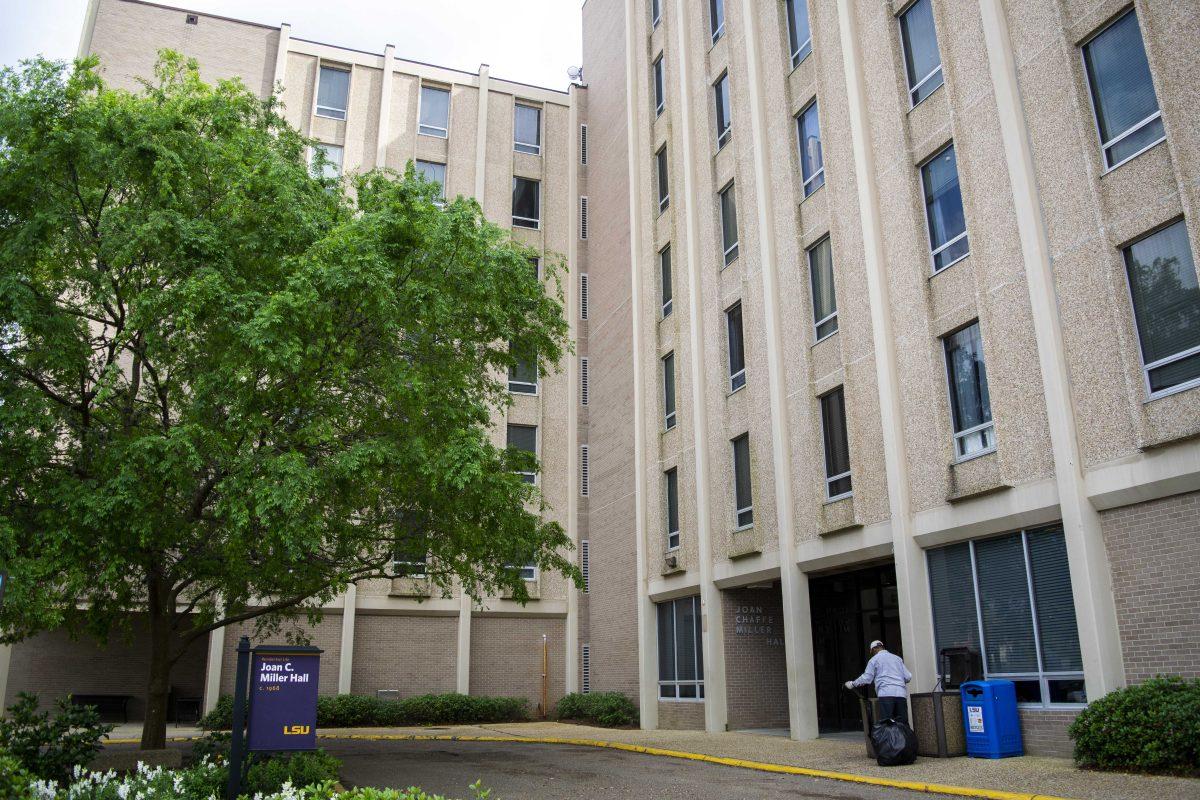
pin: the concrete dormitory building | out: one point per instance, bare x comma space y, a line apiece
886, 326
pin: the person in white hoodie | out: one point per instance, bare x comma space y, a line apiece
890, 676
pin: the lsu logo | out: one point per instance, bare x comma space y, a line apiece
296, 730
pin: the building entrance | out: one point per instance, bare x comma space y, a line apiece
849, 610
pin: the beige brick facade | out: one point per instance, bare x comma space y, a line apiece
52, 666
1078, 438
1154, 549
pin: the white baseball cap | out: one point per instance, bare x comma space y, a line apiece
875, 644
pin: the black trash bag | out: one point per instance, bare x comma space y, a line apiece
895, 743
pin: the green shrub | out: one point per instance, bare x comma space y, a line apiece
269, 774
49, 746
1152, 727
360, 710
14, 780
607, 709
213, 746
221, 717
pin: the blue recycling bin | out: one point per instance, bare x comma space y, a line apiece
990, 719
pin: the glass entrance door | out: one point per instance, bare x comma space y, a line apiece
849, 610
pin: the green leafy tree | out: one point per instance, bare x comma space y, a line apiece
229, 388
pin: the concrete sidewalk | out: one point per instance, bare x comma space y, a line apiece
1028, 775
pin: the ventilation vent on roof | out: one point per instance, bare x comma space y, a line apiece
583, 218
192, 19
583, 145
583, 296
583, 381
585, 557
585, 660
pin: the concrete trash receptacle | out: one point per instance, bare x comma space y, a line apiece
937, 721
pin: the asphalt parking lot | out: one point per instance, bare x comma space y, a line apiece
519, 771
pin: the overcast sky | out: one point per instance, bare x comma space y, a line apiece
533, 41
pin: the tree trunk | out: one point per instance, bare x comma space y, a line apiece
154, 729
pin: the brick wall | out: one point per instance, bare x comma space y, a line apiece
612, 607
128, 36
755, 665
506, 658
680, 716
51, 665
327, 635
1154, 553
416, 655
1044, 733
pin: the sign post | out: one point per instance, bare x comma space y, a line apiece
283, 698
279, 684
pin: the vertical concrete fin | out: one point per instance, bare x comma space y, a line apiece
916, 626
1091, 578
715, 702
285, 36
481, 134
797, 620
346, 648
212, 669
85, 44
462, 663
385, 106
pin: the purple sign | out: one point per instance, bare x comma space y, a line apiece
283, 699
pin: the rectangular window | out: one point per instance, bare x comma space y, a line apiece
410, 560
523, 375
664, 268
970, 405
799, 34
333, 92
743, 504
435, 112
812, 163
922, 61
664, 188
716, 19
332, 165
434, 173
1166, 308
583, 145
736, 347
721, 98
585, 664
583, 296
1123, 98
527, 129
584, 388
672, 478
660, 99
655, 13
668, 364
535, 263
527, 203
680, 651
837, 444
583, 218
585, 472
524, 437
1009, 598
944, 210
729, 226
820, 271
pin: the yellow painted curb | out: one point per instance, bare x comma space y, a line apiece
916, 786
139, 741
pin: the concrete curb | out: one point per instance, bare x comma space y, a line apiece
916, 786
